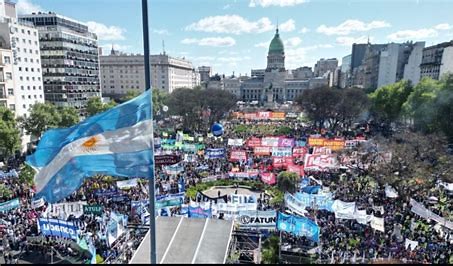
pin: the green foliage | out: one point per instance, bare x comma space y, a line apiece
95, 106
99, 259
130, 95
270, 250
287, 181
27, 174
9, 133
5, 191
284, 130
444, 107
387, 101
44, 116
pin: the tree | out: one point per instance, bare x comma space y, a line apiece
9, 133
130, 95
420, 105
287, 181
270, 250
353, 103
387, 101
26, 174
68, 116
444, 105
218, 102
95, 106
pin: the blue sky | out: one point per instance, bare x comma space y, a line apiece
234, 35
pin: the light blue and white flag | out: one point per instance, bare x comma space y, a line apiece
116, 142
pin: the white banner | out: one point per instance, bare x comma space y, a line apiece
282, 151
409, 243
231, 210
344, 210
390, 192
242, 198
125, 184
318, 162
419, 209
257, 219
63, 210
269, 141
377, 223
235, 142
37, 203
294, 204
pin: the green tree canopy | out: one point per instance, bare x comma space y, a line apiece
95, 106
69, 116
444, 105
287, 181
9, 133
387, 101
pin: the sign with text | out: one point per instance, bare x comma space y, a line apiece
319, 162
264, 151
95, 209
254, 142
238, 156
282, 151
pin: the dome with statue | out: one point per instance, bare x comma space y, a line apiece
276, 46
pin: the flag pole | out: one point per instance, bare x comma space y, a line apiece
152, 222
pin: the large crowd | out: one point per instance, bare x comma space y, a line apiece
340, 240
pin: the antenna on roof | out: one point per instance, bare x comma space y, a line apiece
277, 24
163, 46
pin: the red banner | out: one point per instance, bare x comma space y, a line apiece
262, 151
254, 142
238, 156
264, 115
268, 178
278, 162
250, 116
298, 169
322, 150
300, 152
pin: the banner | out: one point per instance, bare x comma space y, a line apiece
377, 223
277, 116
172, 202
231, 210
316, 141
125, 184
64, 210
285, 142
173, 169
196, 210
37, 203
12, 173
9, 205
254, 142
294, 205
279, 162
215, 153
298, 169
282, 151
344, 210
265, 151
322, 201
166, 159
107, 192
268, 178
270, 141
242, 175
317, 162
300, 152
420, 210
235, 142
263, 115
257, 219
410, 244
334, 144
299, 226
201, 197
238, 156
95, 209
311, 189
240, 198
59, 228
390, 192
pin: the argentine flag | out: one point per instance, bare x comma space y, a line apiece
116, 142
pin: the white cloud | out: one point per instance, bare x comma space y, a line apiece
443, 26
300, 56
292, 42
26, 7
288, 26
304, 30
268, 3
348, 41
160, 31
106, 33
352, 25
413, 34
231, 24
262, 44
211, 41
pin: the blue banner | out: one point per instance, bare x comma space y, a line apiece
299, 226
311, 189
318, 201
198, 212
215, 153
305, 182
9, 205
12, 173
107, 192
169, 196
60, 228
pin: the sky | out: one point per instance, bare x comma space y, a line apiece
234, 35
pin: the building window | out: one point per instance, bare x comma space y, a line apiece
23, 97
35, 96
24, 41
12, 107
29, 96
26, 69
9, 75
28, 87
10, 91
34, 87
24, 106
31, 51
7, 60
20, 68
22, 87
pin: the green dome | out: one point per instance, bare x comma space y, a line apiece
276, 46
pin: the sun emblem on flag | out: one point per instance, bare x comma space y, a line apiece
90, 144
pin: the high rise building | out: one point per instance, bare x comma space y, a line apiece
304, 72
205, 73
325, 65
69, 59
345, 75
121, 73
437, 60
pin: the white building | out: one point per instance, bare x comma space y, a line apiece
121, 73
412, 67
7, 88
388, 65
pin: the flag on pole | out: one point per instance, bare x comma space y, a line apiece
116, 142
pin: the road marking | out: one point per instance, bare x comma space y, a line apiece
200, 241
171, 241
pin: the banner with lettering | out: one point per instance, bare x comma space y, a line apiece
241, 175
270, 141
173, 169
294, 204
215, 153
254, 142
282, 151
298, 169
322, 150
37, 203
322, 201
199, 212
285, 142
264, 115
95, 209
125, 184
315, 141
318, 162
242, 198
300, 152
9, 205
277, 116
59, 228
334, 144
238, 156
235, 142
278, 162
263, 151
299, 226
268, 178
257, 219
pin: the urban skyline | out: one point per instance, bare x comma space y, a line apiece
234, 35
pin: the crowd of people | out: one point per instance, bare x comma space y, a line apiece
340, 240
